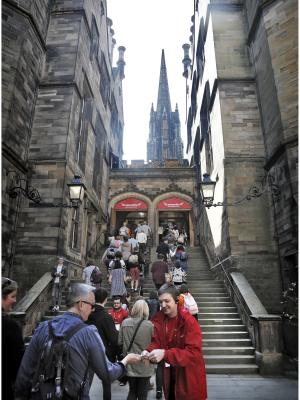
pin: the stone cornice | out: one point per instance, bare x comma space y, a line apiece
172, 187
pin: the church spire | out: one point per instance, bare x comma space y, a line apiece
163, 98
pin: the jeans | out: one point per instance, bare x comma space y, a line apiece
159, 377
56, 293
138, 388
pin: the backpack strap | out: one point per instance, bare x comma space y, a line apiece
67, 336
134, 335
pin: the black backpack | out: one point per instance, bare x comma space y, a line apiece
96, 275
54, 378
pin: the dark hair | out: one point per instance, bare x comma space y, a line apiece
125, 239
177, 264
100, 295
153, 294
180, 247
118, 254
8, 286
161, 256
183, 288
117, 264
170, 289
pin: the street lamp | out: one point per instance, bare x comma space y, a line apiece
76, 191
207, 187
268, 183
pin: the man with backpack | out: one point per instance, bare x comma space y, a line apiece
64, 353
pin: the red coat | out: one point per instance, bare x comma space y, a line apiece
185, 354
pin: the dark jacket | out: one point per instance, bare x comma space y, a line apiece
107, 330
163, 248
63, 272
88, 349
158, 270
12, 353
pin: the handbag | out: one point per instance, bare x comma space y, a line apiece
124, 379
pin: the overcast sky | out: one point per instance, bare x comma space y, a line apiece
145, 27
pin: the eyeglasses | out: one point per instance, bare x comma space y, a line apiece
7, 283
87, 302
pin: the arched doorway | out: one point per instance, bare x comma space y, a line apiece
132, 210
175, 210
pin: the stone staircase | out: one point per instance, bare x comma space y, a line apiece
226, 344
227, 347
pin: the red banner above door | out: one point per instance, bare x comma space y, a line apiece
173, 203
131, 204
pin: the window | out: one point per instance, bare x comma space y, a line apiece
209, 153
204, 114
85, 119
200, 51
94, 40
114, 121
89, 233
194, 96
75, 229
189, 130
104, 80
96, 171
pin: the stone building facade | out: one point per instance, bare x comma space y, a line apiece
62, 116
241, 130
164, 142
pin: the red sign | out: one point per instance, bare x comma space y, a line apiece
173, 203
131, 204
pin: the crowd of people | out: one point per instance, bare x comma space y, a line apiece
131, 341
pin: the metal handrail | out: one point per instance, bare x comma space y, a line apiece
232, 287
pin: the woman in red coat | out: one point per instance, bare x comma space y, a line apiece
177, 341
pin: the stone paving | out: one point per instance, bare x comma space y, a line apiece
224, 387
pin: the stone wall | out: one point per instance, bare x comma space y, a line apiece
52, 62
273, 42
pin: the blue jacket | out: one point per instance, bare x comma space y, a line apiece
88, 349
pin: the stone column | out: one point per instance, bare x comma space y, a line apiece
268, 343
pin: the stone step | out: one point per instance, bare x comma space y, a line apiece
213, 303
225, 335
208, 292
223, 328
217, 316
229, 359
226, 342
213, 309
231, 369
219, 321
228, 350
213, 298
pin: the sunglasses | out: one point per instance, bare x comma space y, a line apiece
87, 302
7, 283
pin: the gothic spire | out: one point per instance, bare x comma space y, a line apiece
163, 98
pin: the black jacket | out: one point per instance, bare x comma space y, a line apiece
12, 353
163, 248
107, 330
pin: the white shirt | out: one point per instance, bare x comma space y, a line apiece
141, 237
58, 271
111, 264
